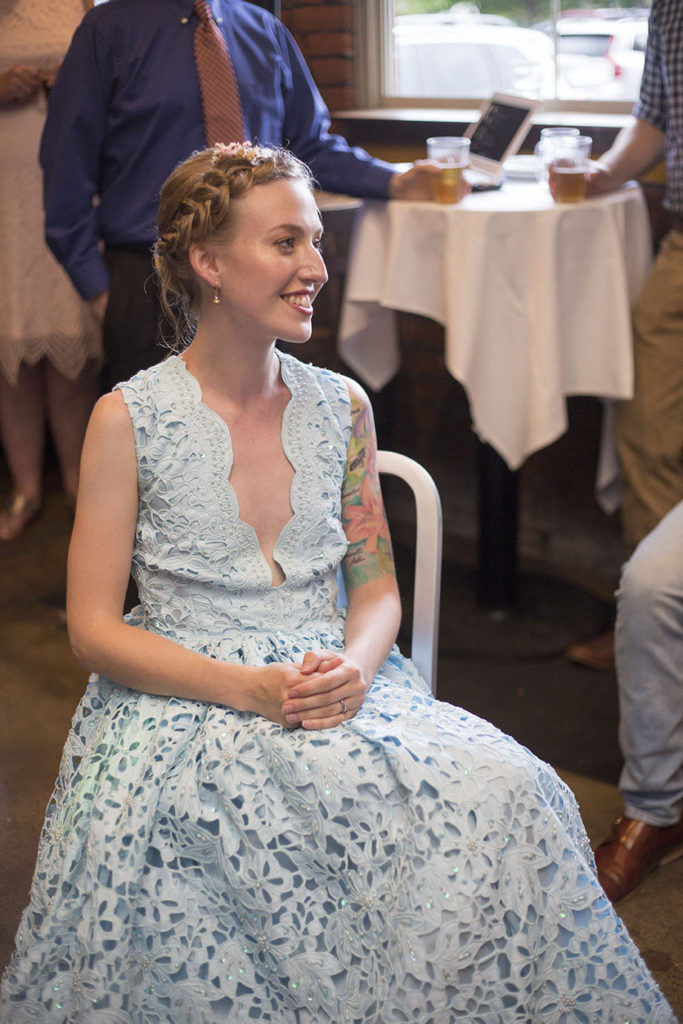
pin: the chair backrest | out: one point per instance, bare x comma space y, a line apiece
429, 531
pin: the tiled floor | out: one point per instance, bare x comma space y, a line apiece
512, 672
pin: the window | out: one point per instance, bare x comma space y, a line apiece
443, 52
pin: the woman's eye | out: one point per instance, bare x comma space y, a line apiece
318, 244
286, 243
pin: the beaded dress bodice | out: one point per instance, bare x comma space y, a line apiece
200, 572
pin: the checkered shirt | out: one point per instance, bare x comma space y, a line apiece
661, 91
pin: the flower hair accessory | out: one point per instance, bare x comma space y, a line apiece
242, 150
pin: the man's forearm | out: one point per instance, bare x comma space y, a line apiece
635, 150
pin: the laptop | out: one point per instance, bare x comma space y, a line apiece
500, 130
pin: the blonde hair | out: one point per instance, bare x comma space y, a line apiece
195, 207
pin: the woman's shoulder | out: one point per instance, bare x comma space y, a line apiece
357, 394
154, 380
310, 376
149, 375
152, 394
110, 421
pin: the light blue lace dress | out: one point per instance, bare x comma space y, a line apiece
200, 865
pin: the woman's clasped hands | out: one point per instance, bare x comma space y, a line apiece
325, 689
333, 690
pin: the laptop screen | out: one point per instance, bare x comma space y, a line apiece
500, 130
494, 132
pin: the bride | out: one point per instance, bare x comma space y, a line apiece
261, 813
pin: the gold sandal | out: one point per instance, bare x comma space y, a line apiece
20, 511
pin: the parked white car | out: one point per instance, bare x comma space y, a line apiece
601, 58
438, 56
442, 55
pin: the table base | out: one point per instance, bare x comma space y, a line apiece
497, 565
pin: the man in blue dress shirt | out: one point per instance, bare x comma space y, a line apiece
126, 109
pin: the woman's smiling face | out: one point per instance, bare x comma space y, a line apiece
269, 267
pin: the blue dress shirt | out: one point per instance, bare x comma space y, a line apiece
126, 109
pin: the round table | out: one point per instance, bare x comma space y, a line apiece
535, 299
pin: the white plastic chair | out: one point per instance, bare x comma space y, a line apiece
428, 543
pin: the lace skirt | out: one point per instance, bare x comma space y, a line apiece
414, 864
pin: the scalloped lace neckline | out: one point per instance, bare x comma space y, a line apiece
289, 452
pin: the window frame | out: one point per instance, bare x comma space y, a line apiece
374, 23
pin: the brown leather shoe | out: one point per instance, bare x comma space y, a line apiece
597, 653
632, 849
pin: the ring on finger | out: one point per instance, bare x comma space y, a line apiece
344, 708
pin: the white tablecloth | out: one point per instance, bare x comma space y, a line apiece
534, 297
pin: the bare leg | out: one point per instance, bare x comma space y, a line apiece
22, 427
69, 404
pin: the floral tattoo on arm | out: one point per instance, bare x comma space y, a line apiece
369, 555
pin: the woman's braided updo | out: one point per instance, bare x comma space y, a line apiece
195, 207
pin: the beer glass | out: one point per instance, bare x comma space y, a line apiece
544, 148
568, 168
453, 152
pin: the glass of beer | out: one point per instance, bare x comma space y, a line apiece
544, 148
453, 153
568, 168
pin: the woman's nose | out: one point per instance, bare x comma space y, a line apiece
314, 267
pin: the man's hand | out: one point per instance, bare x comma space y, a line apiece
599, 179
418, 182
48, 76
415, 183
98, 305
636, 149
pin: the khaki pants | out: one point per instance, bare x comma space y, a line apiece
650, 427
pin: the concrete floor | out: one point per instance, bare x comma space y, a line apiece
512, 672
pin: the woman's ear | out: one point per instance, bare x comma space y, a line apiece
203, 262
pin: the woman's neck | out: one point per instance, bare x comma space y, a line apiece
242, 371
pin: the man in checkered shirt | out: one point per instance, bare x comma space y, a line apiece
649, 626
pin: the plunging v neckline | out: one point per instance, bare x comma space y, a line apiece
225, 481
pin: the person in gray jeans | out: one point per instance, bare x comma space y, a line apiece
649, 662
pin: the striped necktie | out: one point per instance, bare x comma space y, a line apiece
218, 85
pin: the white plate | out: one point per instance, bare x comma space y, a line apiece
521, 167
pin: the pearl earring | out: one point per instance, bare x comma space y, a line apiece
216, 295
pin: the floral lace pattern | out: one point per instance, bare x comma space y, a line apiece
199, 864
208, 579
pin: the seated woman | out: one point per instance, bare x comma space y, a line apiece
261, 812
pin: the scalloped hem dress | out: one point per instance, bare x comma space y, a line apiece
41, 313
199, 864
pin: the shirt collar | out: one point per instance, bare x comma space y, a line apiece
187, 6
215, 5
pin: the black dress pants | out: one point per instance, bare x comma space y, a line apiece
134, 329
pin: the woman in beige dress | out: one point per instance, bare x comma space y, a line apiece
49, 340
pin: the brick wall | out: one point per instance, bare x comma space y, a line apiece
324, 30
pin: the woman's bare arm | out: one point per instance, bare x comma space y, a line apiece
338, 682
374, 607
98, 571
